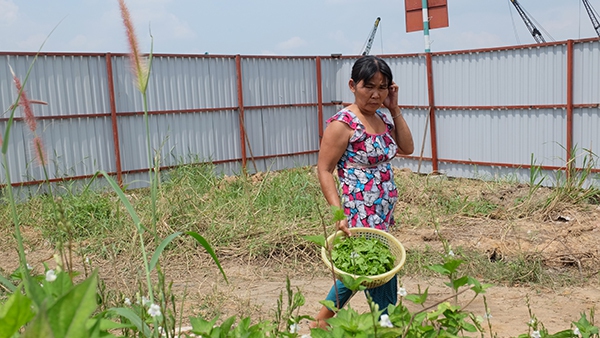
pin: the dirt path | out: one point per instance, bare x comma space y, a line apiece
556, 309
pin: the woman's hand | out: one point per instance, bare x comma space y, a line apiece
343, 226
391, 101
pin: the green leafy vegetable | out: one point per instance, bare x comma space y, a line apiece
362, 256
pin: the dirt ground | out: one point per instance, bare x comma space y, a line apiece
253, 288
561, 243
567, 241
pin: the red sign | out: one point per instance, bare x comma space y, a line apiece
437, 10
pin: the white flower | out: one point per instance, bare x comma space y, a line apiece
353, 255
576, 331
402, 292
536, 334
50, 275
87, 260
451, 253
145, 301
29, 267
532, 321
487, 316
154, 310
294, 328
127, 301
384, 321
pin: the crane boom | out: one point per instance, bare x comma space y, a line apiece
371, 37
532, 29
593, 16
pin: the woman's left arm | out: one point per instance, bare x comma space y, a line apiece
401, 132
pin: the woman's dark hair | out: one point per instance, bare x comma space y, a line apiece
367, 66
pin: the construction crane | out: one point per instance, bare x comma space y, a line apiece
593, 16
532, 29
371, 37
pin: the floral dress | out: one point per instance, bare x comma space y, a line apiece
366, 177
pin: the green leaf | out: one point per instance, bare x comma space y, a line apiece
69, 314
7, 284
34, 291
125, 201
318, 240
15, 313
208, 249
227, 324
453, 264
320, 333
338, 214
133, 318
201, 326
361, 256
328, 304
95, 328
418, 299
160, 249
437, 312
106, 324
354, 284
439, 269
469, 327
57, 288
477, 286
457, 283
40, 326
562, 334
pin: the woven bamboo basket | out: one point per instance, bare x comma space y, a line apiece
396, 248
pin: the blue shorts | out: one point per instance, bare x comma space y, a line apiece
383, 295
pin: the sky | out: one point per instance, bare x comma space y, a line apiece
278, 27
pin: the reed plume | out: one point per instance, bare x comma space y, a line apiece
40, 153
24, 103
138, 62
30, 120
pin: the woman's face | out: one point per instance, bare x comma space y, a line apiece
370, 94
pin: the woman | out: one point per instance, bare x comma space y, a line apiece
360, 141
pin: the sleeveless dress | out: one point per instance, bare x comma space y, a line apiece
368, 190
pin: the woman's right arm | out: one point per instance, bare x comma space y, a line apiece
334, 143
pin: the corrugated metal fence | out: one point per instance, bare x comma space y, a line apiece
487, 114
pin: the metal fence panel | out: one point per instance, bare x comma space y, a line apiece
410, 73
177, 83
74, 126
277, 81
69, 84
504, 137
179, 138
484, 125
525, 76
586, 66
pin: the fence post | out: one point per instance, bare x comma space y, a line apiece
569, 111
319, 98
240, 92
431, 116
113, 117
